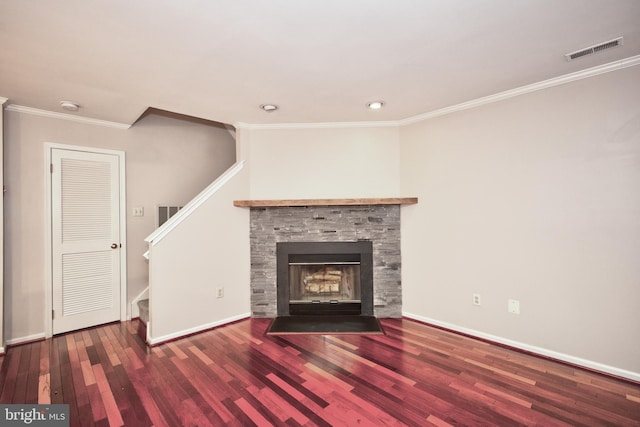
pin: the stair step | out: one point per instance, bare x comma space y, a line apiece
143, 307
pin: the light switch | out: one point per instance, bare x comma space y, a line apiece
138, 211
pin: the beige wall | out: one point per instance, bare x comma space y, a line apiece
168, 162
324, 163
536, 198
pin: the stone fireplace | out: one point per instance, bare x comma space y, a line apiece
279, 223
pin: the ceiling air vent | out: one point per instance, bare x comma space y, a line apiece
594, 49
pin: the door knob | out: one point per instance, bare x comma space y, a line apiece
114, 246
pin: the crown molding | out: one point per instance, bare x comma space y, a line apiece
327, 125
556, 81
62, 116
501, 96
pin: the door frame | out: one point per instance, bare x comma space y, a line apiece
48, 270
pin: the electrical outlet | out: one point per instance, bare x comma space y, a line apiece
513, 306
219, 292
476, 299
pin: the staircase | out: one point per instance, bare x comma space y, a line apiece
143, 307
200, 249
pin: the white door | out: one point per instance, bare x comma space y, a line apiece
86, 244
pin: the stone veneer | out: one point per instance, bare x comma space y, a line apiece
377, 223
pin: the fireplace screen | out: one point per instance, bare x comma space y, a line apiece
324, 282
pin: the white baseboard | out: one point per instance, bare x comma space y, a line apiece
191, 331
588, 364
22, 340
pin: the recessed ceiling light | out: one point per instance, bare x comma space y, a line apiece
69, 106
375, 105
269, 107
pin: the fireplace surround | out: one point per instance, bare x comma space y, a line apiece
346, 221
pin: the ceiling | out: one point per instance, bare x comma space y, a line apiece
318, 60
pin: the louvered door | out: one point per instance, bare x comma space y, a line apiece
85, 236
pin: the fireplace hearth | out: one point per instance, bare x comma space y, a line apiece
315, 278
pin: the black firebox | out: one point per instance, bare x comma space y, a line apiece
333, 278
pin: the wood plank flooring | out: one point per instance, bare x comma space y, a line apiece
235, 375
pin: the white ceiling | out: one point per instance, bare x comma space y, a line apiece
319, 60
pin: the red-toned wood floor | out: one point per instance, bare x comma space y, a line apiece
235, 375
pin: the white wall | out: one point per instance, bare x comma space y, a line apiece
320, 163
536, 198
168, 161
208, 250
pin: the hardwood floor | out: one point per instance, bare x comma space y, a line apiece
235, 375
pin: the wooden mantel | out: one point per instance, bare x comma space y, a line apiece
325, 202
